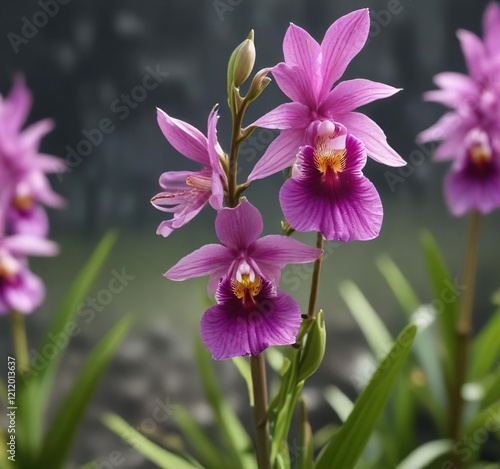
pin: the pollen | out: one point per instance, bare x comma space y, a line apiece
246, 288
23, 202
199, 182
480, 155
325, 158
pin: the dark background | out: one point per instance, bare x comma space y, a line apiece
91, 52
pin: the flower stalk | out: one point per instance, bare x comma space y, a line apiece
311, 311
464, 326
258, 368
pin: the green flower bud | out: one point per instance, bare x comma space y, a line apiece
314, 349
241, 62
258, 85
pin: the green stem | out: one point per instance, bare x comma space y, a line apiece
311, 312
258, 368
20, 342
236, 141
464, 327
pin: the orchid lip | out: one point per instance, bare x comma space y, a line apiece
247, 288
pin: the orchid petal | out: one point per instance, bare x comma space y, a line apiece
372, 136
204, 261
342, 42
351, 94
240, 226
185, 138
280, 154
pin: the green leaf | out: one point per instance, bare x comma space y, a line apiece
4, 460
234, 436
151, 451
446, 296
485, 349
243, 366
399, 285
339, 402
306, 450
404, 417
208, 453
424, 455
348, 444
40, 382
70, 413
374, 330
492, 390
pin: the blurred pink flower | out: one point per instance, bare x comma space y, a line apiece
24, 169
306, 77
474, 99
20, 289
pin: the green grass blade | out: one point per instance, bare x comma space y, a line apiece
492, 390
374, 330
485, 349
209, 455
399, 285
70, 413
151, 451
424, 455
446, 297
339, 402
234, 435
243, 366
348, 444
43, 379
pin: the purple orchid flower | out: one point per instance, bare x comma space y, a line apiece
187, 192
241, 252
474, 99
306, 77
474, 181
250, 316
20, 289
328, 191
24, 167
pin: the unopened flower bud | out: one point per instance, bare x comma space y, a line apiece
314, 350
259, 84
241, 62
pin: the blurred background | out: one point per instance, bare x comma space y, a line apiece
87, 66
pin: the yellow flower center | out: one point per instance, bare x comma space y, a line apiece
480, 155
246, 289
325, 157
23, 202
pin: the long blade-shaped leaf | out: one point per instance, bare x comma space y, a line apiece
374, 330
208, 453
156, 454
243, 366
234, 436
41, 381
424, 455
69, 415
399, 285
446, 296
486, 349
348, 444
